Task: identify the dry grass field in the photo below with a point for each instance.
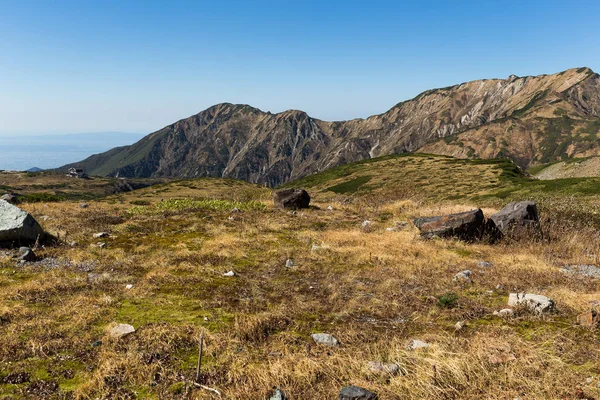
(375, 289)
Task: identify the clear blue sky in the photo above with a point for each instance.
(85, 66)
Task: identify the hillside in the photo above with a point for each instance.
(375, 287)
(529, 119)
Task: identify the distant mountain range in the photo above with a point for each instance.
(532, 120)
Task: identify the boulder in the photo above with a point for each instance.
(356, 393)
(291, 199)
(325, 339)
(468, 225)
(17, 225)
(522, 214)
(463, 276)
(10, 198)
(536, 303)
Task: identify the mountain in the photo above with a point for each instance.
(532, 120)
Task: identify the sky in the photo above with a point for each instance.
(136, 66)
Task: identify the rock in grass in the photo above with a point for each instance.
(535, 303)
(468, 225)
(289, 263)
(278, 394)
(380, 368)
(356, 393)
(416, 344)
(590, 271)
(589, 319)
(463, 276)
(229, 274)
(291, 199)
(505, 312)
(522, 214)
(101, 235)
(484, 264)
(121, 330)
(325, 339)
(26, 254)
(17, 225)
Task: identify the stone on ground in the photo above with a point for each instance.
(516, 215)
(590, 319)
(356, 393)
(278, 394)
(101, 235)
(590, 271)
(416, 344)
(17, 225)
(26, 254)
(291, 199)
(10, 198)
(121, 330)
(378, 367)
(463, 276)
(468, 225)
(325, 339)
(536, 303)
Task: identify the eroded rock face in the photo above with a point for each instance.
(522, 214)
(468, 225)
(17, 226)
(291, 199)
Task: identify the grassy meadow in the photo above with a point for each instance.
(375, 289)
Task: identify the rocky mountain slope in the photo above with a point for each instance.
(529, 119)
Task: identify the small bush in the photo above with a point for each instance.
(448, 300)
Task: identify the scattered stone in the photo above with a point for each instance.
(16, 225)
(380, 368)
(26, 254)
(97, 343)
(101, 235)
(505, 312)
(10, 198)
(325, 339)
(330, 208)
(236, 210)
(590, 319)
(46, 218)
(391, 229)
(291, 199)
(229, 273)
(463, 276)
(278, 394)
(416, 344)
(315, 248)
(101, 245)
(289, 263)
(484, 264)
(469, 225)
(460, 325)
(84, 205)
(121, 330)
(366, 223)
(231, 218)
(73, 244)
(516, 215)
(590, 271)
(536, 303)
(129, 286)
(356, 393)
(499, 287)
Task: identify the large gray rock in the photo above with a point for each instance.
(516, 215)
(278, 394)
(468, 225)
(536, 303)
(17, 226)
(291, 199)
(356, 393)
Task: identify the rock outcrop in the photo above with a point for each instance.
(17, 226)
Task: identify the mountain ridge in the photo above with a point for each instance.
(244, 142)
